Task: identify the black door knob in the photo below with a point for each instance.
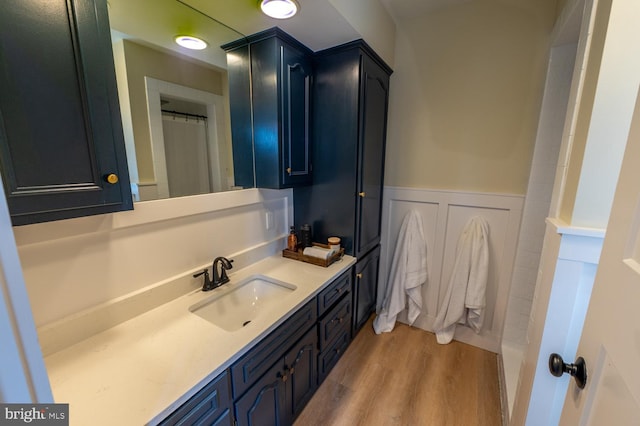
(577, 370)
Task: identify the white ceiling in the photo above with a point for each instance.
(318, 24)
(403, 9)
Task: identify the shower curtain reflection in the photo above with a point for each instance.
(186, 154)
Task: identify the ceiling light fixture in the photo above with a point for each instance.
(191, 42)
(279, 9)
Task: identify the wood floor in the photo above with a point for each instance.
(406, 378)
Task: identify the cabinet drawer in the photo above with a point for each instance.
(329, 357)
(337, 320)
(334, 292)
(261, 357)
(208, 404)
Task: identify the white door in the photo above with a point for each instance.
(610, 341)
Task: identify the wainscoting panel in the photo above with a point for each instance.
(444, 215)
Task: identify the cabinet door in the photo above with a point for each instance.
(365, 288)
(296, 92)
(281, 72)
(210, 404)
(300, 362)
(61, 143)
(373, 129)
(264, 404)
(254, 363)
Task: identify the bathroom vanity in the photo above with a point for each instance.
(170, 365)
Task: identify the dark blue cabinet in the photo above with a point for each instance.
(281, 393)
(350, 99)
(270, 76)
(62, 149)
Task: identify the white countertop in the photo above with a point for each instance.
(143, 369)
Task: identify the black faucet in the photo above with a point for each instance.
(222, 278)
(218, 279)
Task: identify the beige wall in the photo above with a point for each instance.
(465, 95)
(373, 22)
(142, 61)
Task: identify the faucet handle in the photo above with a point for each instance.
(208, 285)
(205, 272)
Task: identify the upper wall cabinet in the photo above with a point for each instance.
(270, 76)
(62, 151)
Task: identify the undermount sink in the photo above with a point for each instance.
(242, 302)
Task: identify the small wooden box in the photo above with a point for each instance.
(297, 255)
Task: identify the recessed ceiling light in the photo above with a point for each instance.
(279, 9)
(191, 42)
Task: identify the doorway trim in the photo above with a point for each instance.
(216, 131)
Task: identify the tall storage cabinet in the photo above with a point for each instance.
(62, 148)
(350, 98)
(270, 76)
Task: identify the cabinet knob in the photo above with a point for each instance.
(362, 194)
(282, 377)
(111, 178)
(359, 275)
(289, 170)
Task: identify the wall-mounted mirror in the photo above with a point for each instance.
(174, 101)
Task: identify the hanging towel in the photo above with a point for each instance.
(408, 274)
(464, 301)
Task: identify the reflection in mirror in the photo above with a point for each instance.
(174, 101)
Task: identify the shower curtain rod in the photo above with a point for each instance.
(185, 114)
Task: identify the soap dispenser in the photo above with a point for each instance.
(305, 236)
(292, 240)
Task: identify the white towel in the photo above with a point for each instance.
(408, 274)
(319, 252)
(464, 301)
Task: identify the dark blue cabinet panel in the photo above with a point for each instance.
(61, 144)
(328, 358)
(209, 406)
(365, 287)
(338, 319)
(270, 75)
(264, 403)
(278, 396)
(296, 71)
(334, 292)
(239, 75)
(300, 362)
(373, 131)
(268, 351)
